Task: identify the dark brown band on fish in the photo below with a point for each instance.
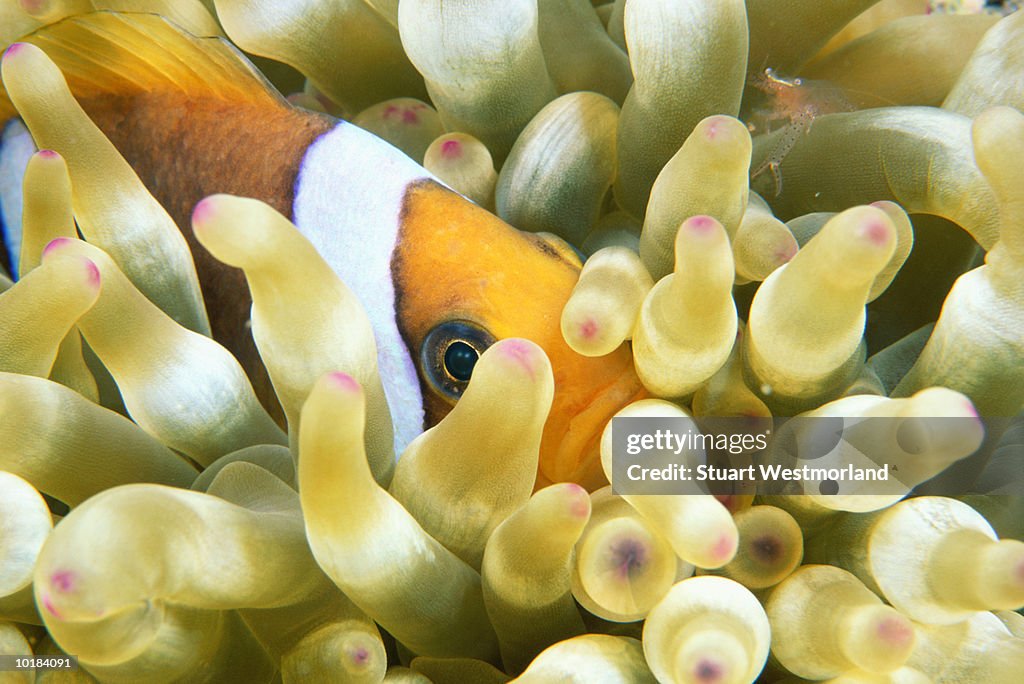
(213, 146)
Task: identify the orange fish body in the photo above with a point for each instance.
(431, 268)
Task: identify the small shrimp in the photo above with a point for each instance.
(797, 103)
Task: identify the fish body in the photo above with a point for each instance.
(430, 267)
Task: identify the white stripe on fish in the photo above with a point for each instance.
(348, 207)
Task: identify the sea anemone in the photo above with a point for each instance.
(801, 217)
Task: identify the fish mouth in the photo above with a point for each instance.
(570, 443)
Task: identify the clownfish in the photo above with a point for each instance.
(440, 278)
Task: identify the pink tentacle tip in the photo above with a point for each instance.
(700, 225)
(360, 656)
(56, 244)
(970, 409)
(410, 117)
(92, 274)
(895, 631)
(725, 547)
(63, 581)
(13, 49)
(343, 381)
(579, 506)
(203, 211)
(521, 352)
(589, 328)
(451, 149)
(48, 154)
(714, 126)
(875, 232)
(786, 254)
(629, 555)
(708, 672)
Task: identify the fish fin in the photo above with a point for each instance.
(113, 54)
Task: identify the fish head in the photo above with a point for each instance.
(464, 279)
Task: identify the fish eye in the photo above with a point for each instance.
(449, 354)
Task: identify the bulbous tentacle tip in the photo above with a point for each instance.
(89, 270)
(577, 499)
(875, 232)
(48, 154)
(895, 630)
(787, 251)
(63, 581)
(724, 549)
(451, 149)
(700, 225)
(57, 245)
(709, 671)
(723, 129)
(13, 50)
(92, 273)
(342, 382)
(209, 210)
(203, 211)
(521, 353)
(589, 328)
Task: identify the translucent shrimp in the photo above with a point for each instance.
(793, 103)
